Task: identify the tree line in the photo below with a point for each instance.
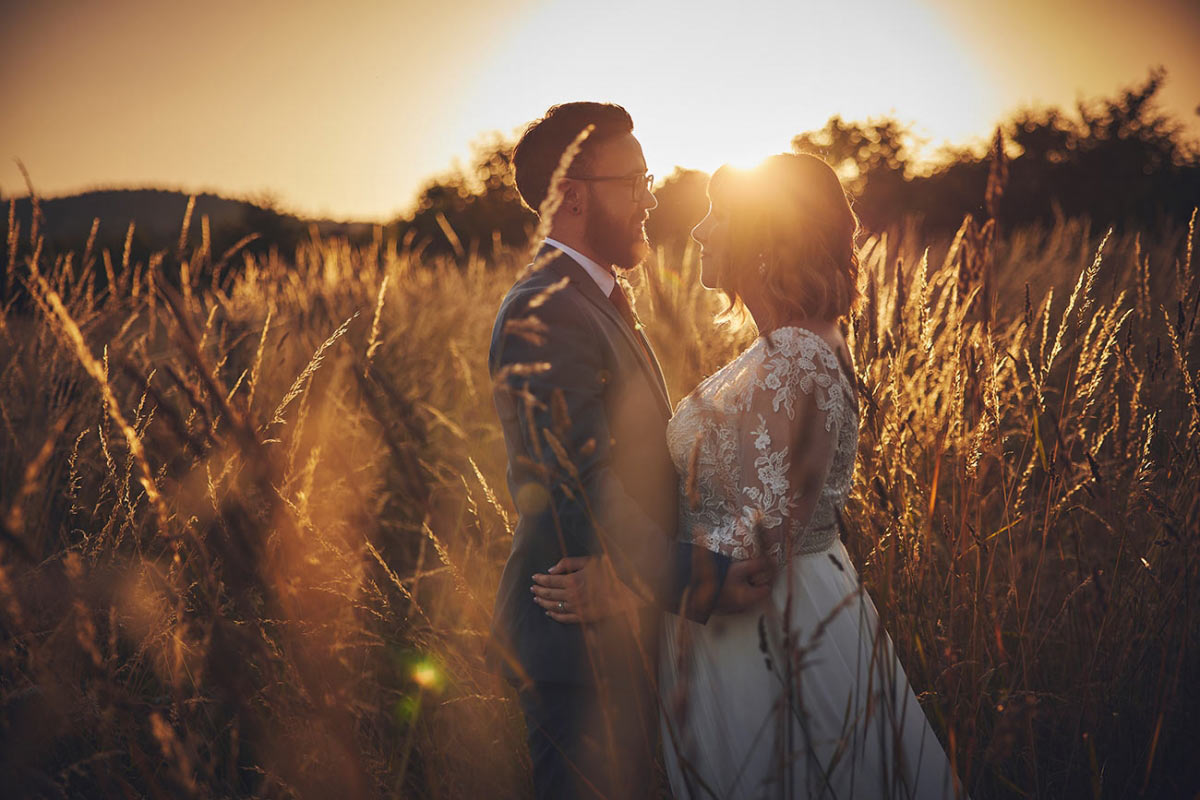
(1120, 161)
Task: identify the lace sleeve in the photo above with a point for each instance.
(792, 416)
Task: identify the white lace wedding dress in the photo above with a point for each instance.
(802, 697)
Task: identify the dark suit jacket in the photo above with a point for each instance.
(584, 413)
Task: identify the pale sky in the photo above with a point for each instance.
(344, 109)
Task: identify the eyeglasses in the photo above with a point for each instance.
(639, 182)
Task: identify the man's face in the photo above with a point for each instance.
(617, 209)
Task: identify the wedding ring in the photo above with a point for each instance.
(561, 606)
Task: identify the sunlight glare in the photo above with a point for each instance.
(709, 85)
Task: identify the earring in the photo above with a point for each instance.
(575, 209)
(762, 267)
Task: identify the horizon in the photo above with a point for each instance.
(749, 79)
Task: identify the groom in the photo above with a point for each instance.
(584, 409)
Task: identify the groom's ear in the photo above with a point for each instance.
(572, 201)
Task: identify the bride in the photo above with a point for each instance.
(803, 696)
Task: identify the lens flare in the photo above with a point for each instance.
(426, 675)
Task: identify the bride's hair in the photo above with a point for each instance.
(792, 231)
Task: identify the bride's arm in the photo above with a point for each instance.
(787, 442)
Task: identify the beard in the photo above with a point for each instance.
(618, 241)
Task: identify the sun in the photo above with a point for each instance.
(725, 151)
(709, 85)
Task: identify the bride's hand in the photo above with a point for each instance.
(746, 585)
(587, 588)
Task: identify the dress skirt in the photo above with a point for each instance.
(836, 719)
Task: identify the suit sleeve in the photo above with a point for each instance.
(547, 368)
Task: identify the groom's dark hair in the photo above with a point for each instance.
(543, 143)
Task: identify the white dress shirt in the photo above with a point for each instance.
(603, 277)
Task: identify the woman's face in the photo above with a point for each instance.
(712, 234)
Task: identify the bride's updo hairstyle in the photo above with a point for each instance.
(792, 232)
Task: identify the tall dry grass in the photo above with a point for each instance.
(253, 512)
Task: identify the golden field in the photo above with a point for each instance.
(253, 510)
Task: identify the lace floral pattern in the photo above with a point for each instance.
(766, 447)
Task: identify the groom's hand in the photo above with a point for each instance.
(586, 587)
(746, 585)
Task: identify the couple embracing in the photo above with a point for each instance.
(677, 587)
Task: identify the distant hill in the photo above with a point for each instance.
(157, 215)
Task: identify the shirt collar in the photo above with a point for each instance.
(603, 277)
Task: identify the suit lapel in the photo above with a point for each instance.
(662, 381)
(565, 266)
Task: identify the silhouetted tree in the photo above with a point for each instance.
(872, 158)
(1122, 160)
(1119, 161)
(860, 151)
(682, 202)
(477, 208)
